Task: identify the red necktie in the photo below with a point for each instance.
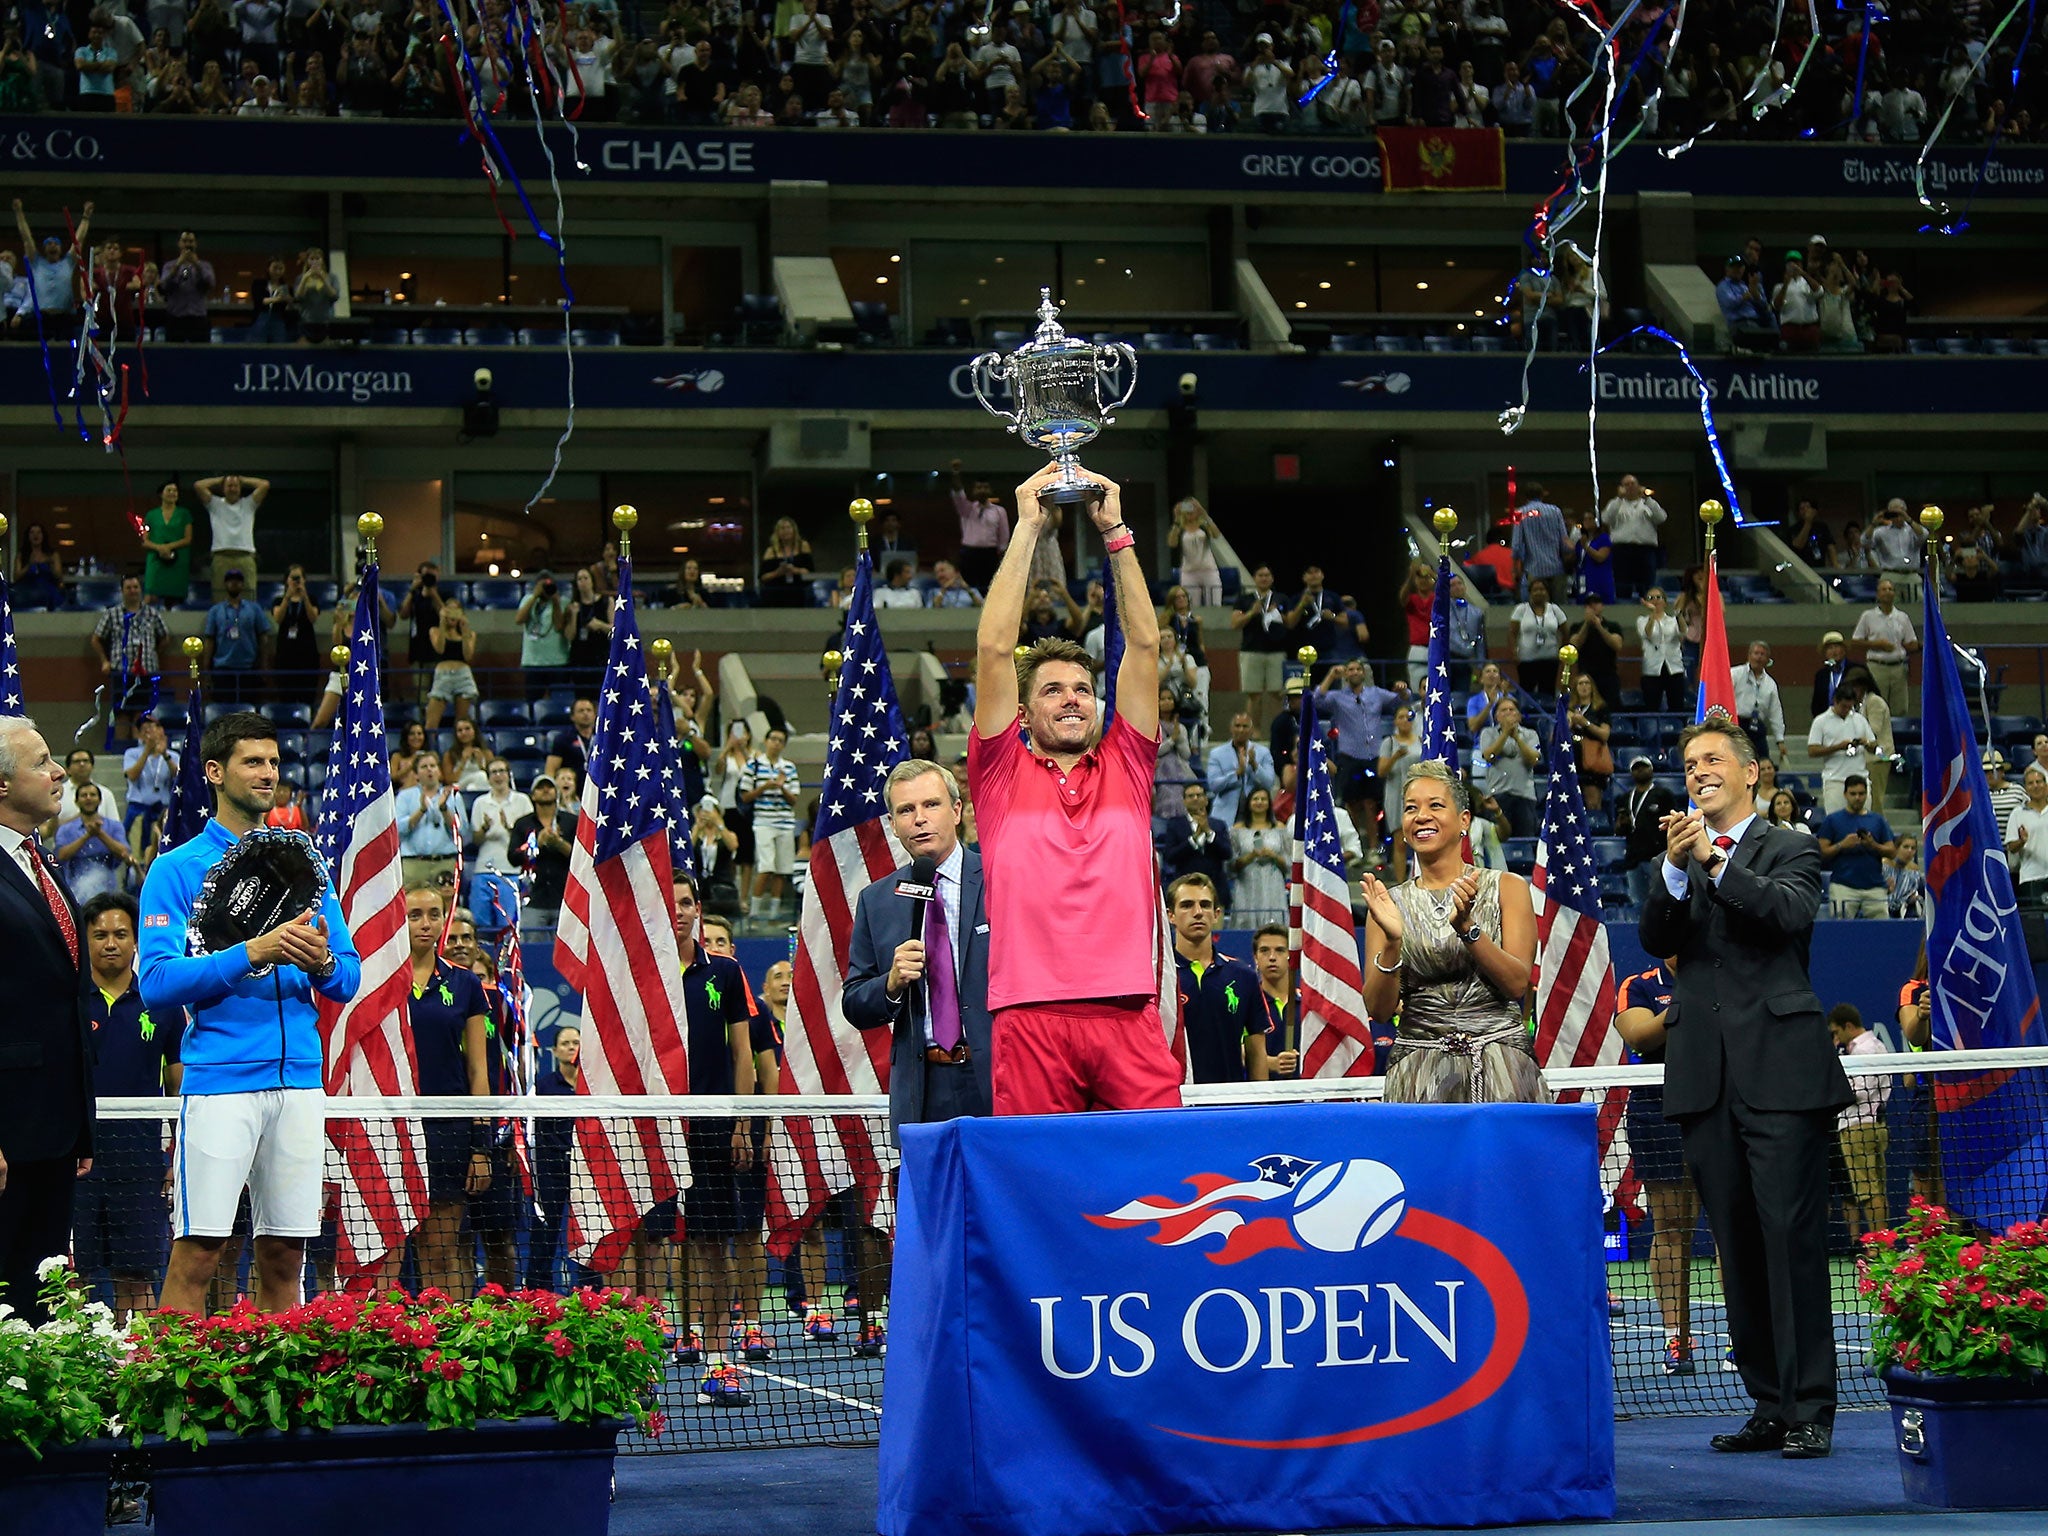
(1724, 842)
(58, 909)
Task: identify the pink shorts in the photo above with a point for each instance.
(1068, 1057)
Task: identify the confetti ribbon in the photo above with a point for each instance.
(1947, 222)
(1699, 385)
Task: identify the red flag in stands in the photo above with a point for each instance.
(1443, 160)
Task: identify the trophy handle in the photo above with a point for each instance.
(1106, 359)
(991, 369)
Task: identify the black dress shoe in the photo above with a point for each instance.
(1807, 1442)
(1759, 1434)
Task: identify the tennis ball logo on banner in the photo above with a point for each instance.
(1305, 1219)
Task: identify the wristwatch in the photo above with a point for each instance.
(1473, 934)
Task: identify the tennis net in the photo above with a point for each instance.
(804, 1334)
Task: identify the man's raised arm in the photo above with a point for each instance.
(1002, 616)
(1137, 677)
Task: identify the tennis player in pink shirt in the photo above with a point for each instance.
(1064, 811)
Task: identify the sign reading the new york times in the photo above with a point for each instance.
(289, 383)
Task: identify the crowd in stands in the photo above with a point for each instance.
(1981, 561)
(493, 781)
(1318, 67)
(1812, 299)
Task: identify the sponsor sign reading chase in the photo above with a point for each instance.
(1282, 1318)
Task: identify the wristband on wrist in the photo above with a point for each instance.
(1122, 539)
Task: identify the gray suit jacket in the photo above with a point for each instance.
(881, 921)
(1746, 1008)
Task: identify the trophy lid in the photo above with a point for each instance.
(1050, 336)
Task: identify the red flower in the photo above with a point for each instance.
(493, 1290)
(558, 1341)
(1911, 1265)
(636, 1347)
(1975, 1285)
(592, 1301)
(451, 1370)
(365, 1379)
(657, 1421)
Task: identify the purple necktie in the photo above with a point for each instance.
(944, 991)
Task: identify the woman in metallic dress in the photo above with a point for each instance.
(1450, 952)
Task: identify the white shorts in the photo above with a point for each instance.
(271, 1141)
(775, 850)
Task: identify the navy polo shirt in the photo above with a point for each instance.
(765, 1034)
(1219, 1008)
(497, 1049)
(132, 1045)
(715, 997)
(441, 1012)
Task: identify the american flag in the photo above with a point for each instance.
(192, 798)
(1439, 734)
(367, 1041)
(1574, 978)
(616, 947)
(10, 656)
(1164, 964)
(672, 812)
(1336, 1040)
(811, 1159)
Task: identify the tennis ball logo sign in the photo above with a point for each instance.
(1342, 1207)
(1314, 1304)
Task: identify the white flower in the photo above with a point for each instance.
(52, 1265)
(97, 1311)
(15, 1325)
(6, 1311)
(116, 1427)
(17, 1383)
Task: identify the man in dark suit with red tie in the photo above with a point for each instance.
(898, 978)
(46, 1099)
(1752, 1078)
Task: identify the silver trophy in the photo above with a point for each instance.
(1060, 386)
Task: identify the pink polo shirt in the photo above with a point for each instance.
(1067, 868)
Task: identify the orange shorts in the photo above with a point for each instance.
(1067, 1057)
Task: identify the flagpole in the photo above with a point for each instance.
(1931, 519)
(194, 648)
(1297, 687)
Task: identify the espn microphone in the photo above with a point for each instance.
(920, 881)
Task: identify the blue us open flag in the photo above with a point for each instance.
(1994, 1143)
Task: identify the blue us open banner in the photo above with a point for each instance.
(1287, 1318)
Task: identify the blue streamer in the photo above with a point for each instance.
(1945, 221)
(551, 241)
(1699, 385)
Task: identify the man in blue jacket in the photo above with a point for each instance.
(253, 1108)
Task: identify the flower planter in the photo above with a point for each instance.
(1971, 1442)
(64, 1494)
(517, 1475)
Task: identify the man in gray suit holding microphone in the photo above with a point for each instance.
(918, 962)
